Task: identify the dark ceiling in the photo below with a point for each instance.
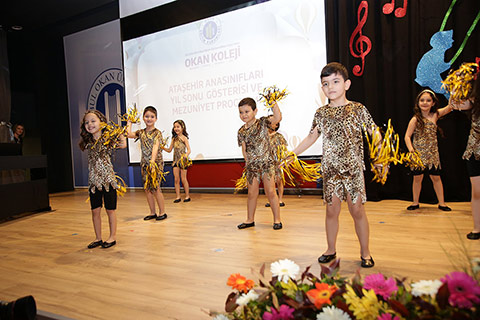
(36, 14)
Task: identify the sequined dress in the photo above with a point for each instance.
(278, 141)
(260, 155)
(147, 140)
(179, 149)
(425, 143)
(342, 161)
(100, 167)
(473, 144)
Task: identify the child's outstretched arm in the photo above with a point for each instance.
(408, 135)
(130, 134)
(122, 142)
(169, 149)
(445, 110)
(307, 142)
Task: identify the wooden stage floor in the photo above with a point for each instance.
(177, 268)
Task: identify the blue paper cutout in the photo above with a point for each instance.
(432, 64)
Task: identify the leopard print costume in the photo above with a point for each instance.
(342, 162)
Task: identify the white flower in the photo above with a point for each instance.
(284, 269)
(246, 298)
(332, 313)
(426, 287)
(476, 265)
(221, 317)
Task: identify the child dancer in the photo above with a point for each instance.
(181, 151)
(259, 158)
(101, 177)
(341, 122)
(472, 152)
(423, 126)
(278, 141)
(150, 141)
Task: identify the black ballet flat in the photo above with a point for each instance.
(282, 204)
(473, 235)
(244, 225)
(106, 245)
(444, 208)
(187, 200)
(150, 217)
(367, 263)
(326, 258)
(162, 217)
(277, 226)
(267, 205)
(177, 200)
(413, 207)
(95, 244)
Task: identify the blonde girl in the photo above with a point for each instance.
(102, 183)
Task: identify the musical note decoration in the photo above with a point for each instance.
(363, 45)
(432, 64)
(399, 12)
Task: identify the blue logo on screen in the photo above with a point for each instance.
(210, 30)
(107, 94)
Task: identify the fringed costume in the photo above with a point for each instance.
(425, 143)
(180, 158)
(473, 144)
(260, 159)
(342, 161)
(151, 174)
(100, 168)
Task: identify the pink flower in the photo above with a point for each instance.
(283, 313)
(464, 291)
(380, 285)
(388, 316)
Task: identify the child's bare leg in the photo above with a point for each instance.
(160, 201)
(280, 190)
(416, 188)
(269, 187)
(112, 223)
(150, 201)
(97, 223)
(475, 203)
(438, 187)
(176, 174)
(186, 186)
(252, 200)
(331, 224)
(357, 211)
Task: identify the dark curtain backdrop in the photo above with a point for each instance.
(4, 80)
(388, 88)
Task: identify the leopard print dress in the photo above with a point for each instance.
(260, 155)
(342, 161)
(425, 143)
(278, 141)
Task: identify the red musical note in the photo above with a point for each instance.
(359, 43)
(401, 12)
(388, 7)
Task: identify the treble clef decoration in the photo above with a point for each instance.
(362, 40)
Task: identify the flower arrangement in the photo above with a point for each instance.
(330, 296)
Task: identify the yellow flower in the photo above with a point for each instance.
(366, 308)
